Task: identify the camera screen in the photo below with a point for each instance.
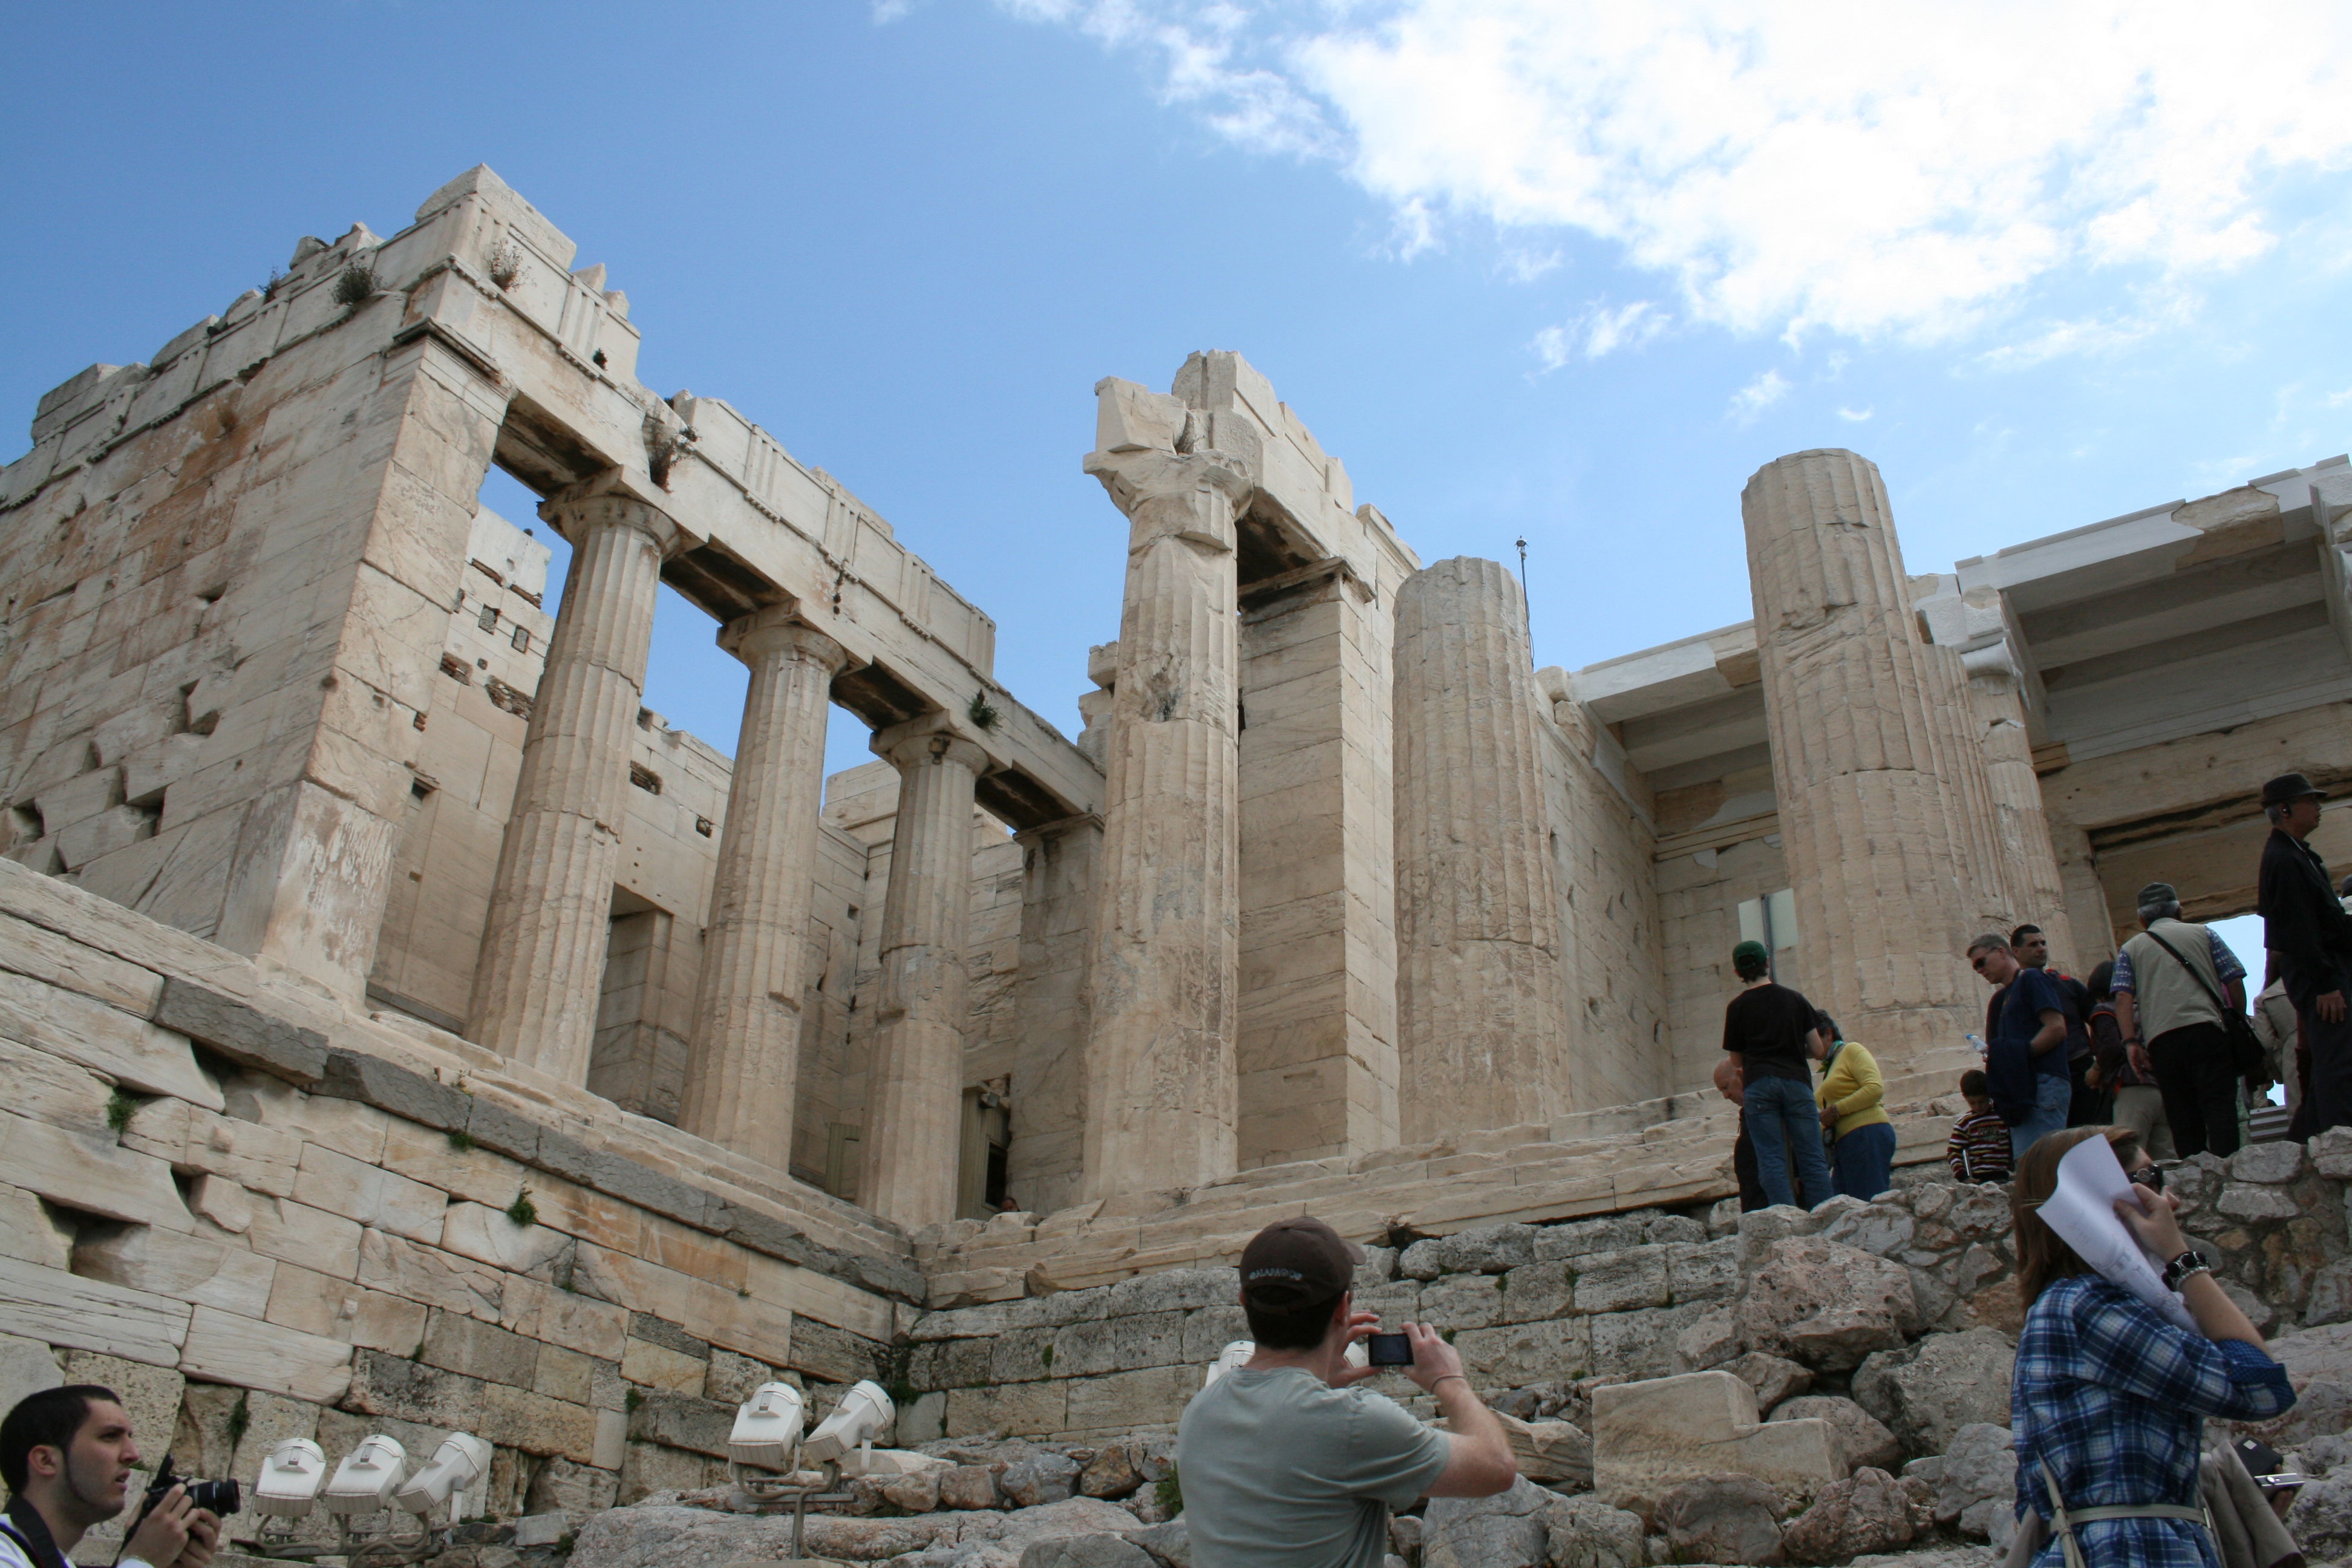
(1389, 1350)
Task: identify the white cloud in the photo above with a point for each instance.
(1598, 331)
(1750, 401)
(1856, 415)
(1860, 168)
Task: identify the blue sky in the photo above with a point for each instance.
(1530, 268)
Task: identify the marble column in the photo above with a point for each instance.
(915, 1098)
(1984, 866)
(1160, 1089)
(741, 1078)
(1866, 821)
(535, 989)
(2036, 885)
(1482, 985)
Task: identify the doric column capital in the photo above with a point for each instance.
(780, 629)
(1192, 496)
(1047, 831)
(614, 499)
(927, 740)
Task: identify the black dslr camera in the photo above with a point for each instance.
(218, 1497)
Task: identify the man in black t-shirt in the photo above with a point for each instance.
(1768, 1029)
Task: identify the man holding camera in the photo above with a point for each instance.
(1284, 1461)
(66, 1455)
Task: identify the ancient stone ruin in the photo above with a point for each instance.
(414, 1034)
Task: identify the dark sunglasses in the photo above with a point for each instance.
(2149, 1176)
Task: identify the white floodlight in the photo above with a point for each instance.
(861, 1416)
(363, 1482)
(455, 1464)
(1232, 1356)
(290, 1475)
(768, 1428)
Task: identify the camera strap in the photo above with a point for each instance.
(24, 1524)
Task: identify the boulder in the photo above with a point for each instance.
(1868, 1512)
(969, 1487)
(1927, 1394)
(1722, 1519)
(1017, 1532)
(1111, 1473)
(1825, 1304)
(1170, 1544)
(1505, 1531)
(1711, 1339)
(1859, 1438)
(1977, 1478)
(1549, 1452)
(1039, 1479)
(1085, 1552)
(704, 1538)
(2321, 1519)
(1652, 1436)
(1586, 1532)
(917, 1493)
(1774, 1378)
(1882, 1229)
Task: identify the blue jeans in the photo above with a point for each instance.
(1784, 1123)
(1864, 1159)
(2053, 1093)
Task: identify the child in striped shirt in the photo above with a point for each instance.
(1979, 1151)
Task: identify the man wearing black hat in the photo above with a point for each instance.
(2308, 928)
(1284, 1462)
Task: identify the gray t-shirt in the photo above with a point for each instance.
(1281, 1471)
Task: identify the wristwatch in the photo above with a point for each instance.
(2177, 1272)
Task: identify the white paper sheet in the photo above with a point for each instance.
(2082, 1212)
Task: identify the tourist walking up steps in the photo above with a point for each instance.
(2135, 1100)
(2025, 1058)
(2110, 1399)
(1768, 1030)
(2088, 1107)
(2171, 983)
(2305, 924)
(1862, 1157)
(2276, 1028)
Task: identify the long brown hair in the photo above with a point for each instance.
(2041, 1257)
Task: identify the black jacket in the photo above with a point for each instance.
(2302, 920)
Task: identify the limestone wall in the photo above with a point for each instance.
(1541, 1313)
(219, 1187)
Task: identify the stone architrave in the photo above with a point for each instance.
(1482, 987)
(913, 1130)
(1998, 688)
(742, 1077)
(535, 994)
(1161, 1100)
(1866, 820)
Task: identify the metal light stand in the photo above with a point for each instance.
(775, 1489)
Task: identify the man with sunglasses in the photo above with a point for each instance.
(2025, 1060)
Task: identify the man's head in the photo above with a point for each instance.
(2158, 902)
(1975, 1090)
(70, 1450)
(2030, 948)
(1989, 956)
(1295, 1276)
(2292, 803)
(1750, 962)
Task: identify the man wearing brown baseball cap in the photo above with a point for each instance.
(1286, 1462)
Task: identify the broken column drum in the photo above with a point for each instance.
(1867, 822)
(743, 1076)
(914, 1123)
(1162, 1101)
(535, 994)
(1482, 989)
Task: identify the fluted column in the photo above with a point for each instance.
(915, 1102)
(1161, 1087)
(1989, 895)
(1482, 987)
(1866, 821)
(542, 960)
(2035, 882)
(741, 1078)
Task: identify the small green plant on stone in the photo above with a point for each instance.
(460, 1140)
(1170, 1493)
(980, 711)
(1045, 1357)
(357, 285)
(239, 1421)
(634, 1400)
(522, 1211)
(120, 1107)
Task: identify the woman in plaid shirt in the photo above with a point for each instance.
(2112, 1398)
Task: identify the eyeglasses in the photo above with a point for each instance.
(2149, 1176)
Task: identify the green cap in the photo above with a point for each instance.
(1751, 954)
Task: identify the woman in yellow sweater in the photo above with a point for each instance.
(1862, 1162)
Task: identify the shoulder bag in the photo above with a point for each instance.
(2247, 1057)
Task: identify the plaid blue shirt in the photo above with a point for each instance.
(2114, 1399)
